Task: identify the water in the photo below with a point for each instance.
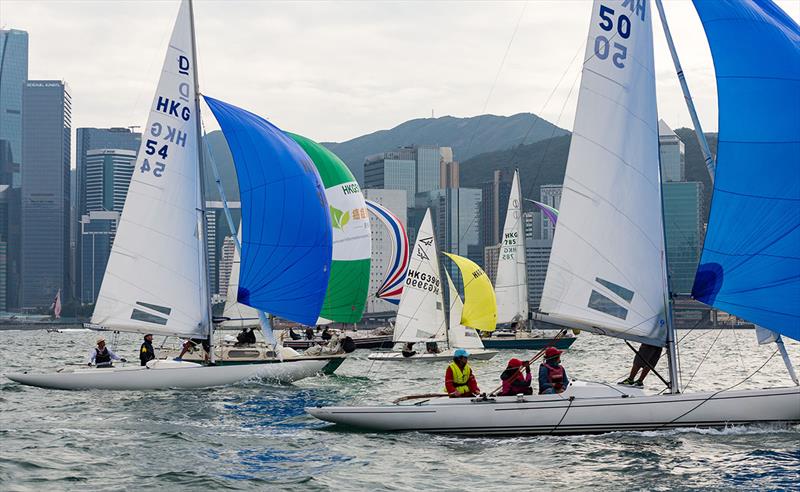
(256, 435)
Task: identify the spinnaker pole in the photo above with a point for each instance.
(698, 130)
(203, 237)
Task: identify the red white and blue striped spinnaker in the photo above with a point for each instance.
(392, 286)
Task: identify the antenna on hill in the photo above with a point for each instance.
(432, 113)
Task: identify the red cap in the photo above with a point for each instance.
(551, 352)
(514, 363)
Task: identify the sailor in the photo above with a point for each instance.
(552, 376)
(101, 356)
(326, 334)
(432, 348)
(459, 381)
(191, 344)
(146, 352)
(309, 333)
(646, 358)
(408, 350)
(246, 337)
(514, 383)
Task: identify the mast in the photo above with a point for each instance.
(203, 237)
(698, 130)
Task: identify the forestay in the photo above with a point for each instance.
(511, 285)
(420, 316)
(607, 265)
(480, 305)
(392, 287)
(286, 231)
(750, 264)
(352, 244)
(458, 335)
(153, 281)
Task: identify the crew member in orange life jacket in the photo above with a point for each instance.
(552, 376)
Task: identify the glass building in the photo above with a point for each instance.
(683, 223)
(396, 170)
(549, 195)
(494, 204)
(46, 143)
(672, 154)
(537, 257)
(13, 74)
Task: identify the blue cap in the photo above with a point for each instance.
(460, 353)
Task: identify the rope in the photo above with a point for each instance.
(719, 332)
(720, 391)
(571, 399)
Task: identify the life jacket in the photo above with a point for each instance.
(102, 359)
(555, 376)
(514, 382)
(460, 378)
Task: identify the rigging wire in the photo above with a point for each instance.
(719, 332)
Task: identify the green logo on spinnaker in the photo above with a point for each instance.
(338, 218)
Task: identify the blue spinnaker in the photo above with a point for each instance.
(750, 265)
(286, 228)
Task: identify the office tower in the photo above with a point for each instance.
(683, 224)
(449, 174)
(494, 205)
(13, 74)
(414, 168)
(106, 176)
(456, 221)
(672, 154)
(395, 201)
(218, 230)
(549, 195)
(46, 127)
(537, 256)
(225, 265)
(491, 255)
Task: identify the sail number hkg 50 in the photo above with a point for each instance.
(618, 27)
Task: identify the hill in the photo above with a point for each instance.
(467, 136)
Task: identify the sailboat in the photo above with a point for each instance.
(608, 271)
(511, 285)
(156, 280)
(392, 287)
(421, 313)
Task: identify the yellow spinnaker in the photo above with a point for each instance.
(480, 305)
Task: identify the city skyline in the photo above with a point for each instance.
(287, 60)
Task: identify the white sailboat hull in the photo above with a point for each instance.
(447, 355)
(595, 408)
(170, 375)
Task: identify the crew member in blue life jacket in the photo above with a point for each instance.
(146, 351)
(459, 380)
(101, 356)
(552, 376)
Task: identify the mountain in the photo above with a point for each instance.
(545, 162)
(468, 137)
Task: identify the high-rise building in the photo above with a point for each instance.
(395, 201)
(13, 74)
(5, 193)
(449, 174)
(46, 129)
(491, 256)
(89, 140)
(226, 265)
(537, 257)
(106, 176)
(550, 195)
(218, 232)
(414, 168)
(494, 204)
(456, 221)
(683, 224)
(671, 153)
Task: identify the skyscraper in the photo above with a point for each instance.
(106, 176)
(46, 128)
(494, 204)
(396, 170)
(671, 153)
(550, 195)
(13, 74)
(683, 225)
(537, 256)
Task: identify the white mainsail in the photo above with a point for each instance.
(420, 316)
(511, 285)
(458, 335)
(241, 315)
(154, 278)
(607, 266)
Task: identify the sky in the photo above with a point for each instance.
(336, 70)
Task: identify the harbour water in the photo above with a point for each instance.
(257, 436)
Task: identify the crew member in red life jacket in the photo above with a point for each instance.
(552, 376)
(459, 380)
(514, 383)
